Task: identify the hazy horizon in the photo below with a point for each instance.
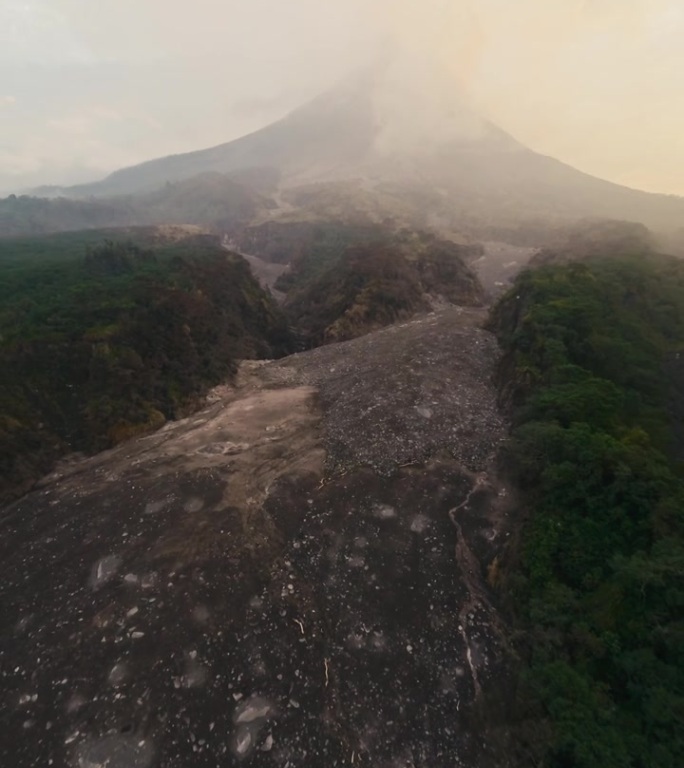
(85, 90)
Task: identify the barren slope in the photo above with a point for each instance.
(293, 576)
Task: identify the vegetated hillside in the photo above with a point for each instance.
(327, 243)
(674, 243)
(102, 340)
(375, 283)
(315, 242)
(211, 200)
(24, 215)
(595, 236)
(596, 580)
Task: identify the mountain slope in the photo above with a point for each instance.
(335, 128)
(412, 147)
(212, 200)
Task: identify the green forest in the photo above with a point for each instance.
(593, 371)
(210, 200)
(105, 335)
(102, 339)
(336, 291)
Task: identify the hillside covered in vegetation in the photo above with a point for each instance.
(595, 582)
(211, 200)
(337, 291)
(104, 336)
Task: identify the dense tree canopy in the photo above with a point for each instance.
(211, 200)
(597, 579)
(336, 291)
(101, 340)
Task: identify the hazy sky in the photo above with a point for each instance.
(87, 86)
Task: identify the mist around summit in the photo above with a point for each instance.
(399, 140)
(77, 103)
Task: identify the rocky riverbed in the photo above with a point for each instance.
(294, 576)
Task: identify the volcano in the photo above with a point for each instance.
(385, 141)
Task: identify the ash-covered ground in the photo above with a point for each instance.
(405, 393)
(295, 576)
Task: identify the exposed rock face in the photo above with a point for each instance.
(295, 574)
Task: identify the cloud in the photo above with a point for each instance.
(594, 83)
(37, 31)
(7, 101)
(19, 163)
(85, 122)
(597, 83)
(70, 147)
(450, 32)
(260, 107)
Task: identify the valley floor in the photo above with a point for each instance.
(294, 576)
